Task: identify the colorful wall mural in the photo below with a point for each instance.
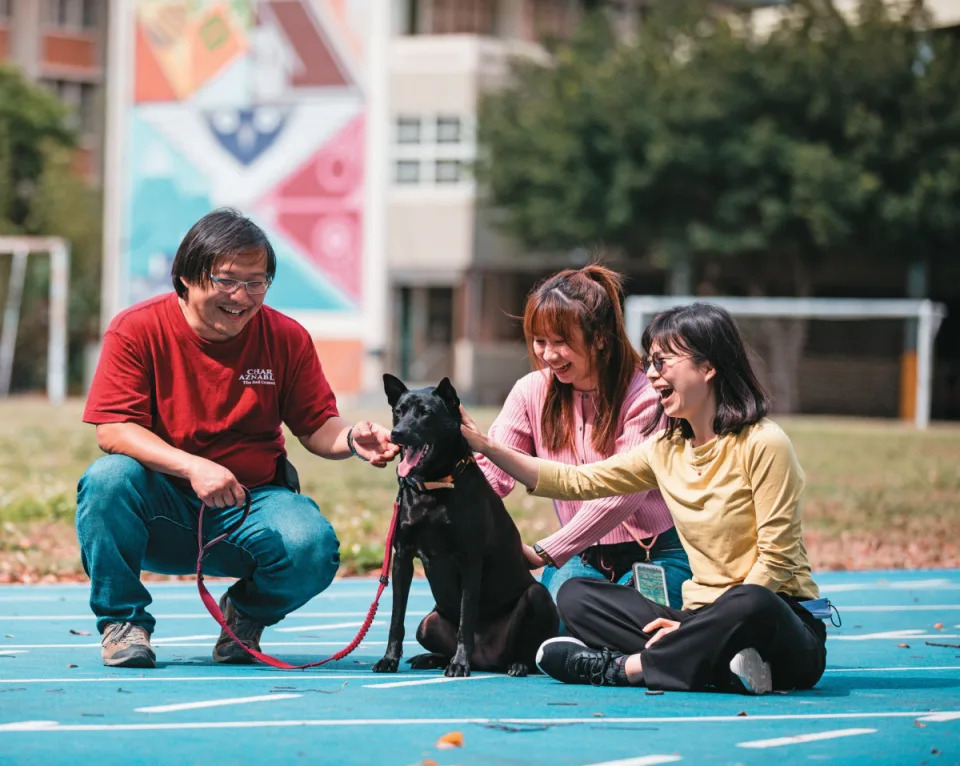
(259, 105)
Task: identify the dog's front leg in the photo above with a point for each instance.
(402, 577)
(469, 604)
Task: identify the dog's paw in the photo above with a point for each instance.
(430, 661)
(518, 669)
(385, 665)
(457, 670)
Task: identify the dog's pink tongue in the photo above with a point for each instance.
(410, 459)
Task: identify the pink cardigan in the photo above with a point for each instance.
(583, 523)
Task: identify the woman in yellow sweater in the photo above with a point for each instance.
(732, 482)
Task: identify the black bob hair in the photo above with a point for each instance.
(708, 334)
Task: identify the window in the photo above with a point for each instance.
(448, 130)
(447, 171)
(91, 13)
(6, 9)
(408, 130)
(407, 172)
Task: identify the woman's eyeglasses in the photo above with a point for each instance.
(659, 362)
(227, 285)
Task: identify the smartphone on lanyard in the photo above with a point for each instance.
(650, 580)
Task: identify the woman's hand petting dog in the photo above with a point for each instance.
(476, 439)
(372, 442)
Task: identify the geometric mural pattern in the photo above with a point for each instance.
(257, 105)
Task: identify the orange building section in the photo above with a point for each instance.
(4, 43)
(342, 362)
(73, 51)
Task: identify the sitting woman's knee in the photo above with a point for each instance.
(571, 597)
(753, 599)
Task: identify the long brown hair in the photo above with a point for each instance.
(589, 298)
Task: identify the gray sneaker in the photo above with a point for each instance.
(755, 675)
(126, 645)
(245, 628)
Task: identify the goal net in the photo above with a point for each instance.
(829, 355)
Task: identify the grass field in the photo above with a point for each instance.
(879, 494)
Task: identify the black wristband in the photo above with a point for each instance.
(544, 556)
(353, 450)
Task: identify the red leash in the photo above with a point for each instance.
(214, 608)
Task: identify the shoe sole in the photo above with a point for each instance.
(567, 639)
(753, 672)
(133, 661)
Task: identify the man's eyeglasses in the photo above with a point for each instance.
(659, 362)
(227, 285)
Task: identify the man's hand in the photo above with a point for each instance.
(476, 439)
(372, 442)
(663, 626)
(215, 485)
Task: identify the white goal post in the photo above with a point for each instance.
(59, 252)
(640, 309)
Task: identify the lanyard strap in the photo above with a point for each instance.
(646, 546)
(214, 608)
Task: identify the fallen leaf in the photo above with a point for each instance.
(80, 632)
(903, 646)
(919, 725)
(934, 751)
(121, 690)
(71, 665)
(8, 635)
(450, 740)
(938, 626)
(598, 715)
(428, 762)
(742, 714)
(653, 691)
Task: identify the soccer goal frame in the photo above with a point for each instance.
(59, 251)
(639, 309)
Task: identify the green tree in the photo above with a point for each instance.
(702, 142)
(41, 194)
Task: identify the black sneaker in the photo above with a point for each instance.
(245, 628)
(573, 662)
(753, 673)
(125, 645)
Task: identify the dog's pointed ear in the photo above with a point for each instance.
(448, 393)
(394, 388)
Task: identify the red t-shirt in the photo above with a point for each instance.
(223, 401)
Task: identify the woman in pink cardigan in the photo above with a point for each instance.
(588, 399)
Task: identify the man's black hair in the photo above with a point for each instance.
(218, 235)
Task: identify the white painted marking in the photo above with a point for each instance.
(425, 681)
(329, 626)
(11, 652)
(939, 717)
(166, 640)
(187, 645)
(740, 720)
(800, 738)
(183, 616)
(643, 760)
(269, 678)
(892, 670)
(937, 583)
(903, 608)
(215, 703)
(895, 634)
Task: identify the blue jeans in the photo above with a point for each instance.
(667, 551)
(130, 517)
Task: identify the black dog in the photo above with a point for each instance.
(490, 613)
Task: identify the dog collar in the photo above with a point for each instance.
(444, 482)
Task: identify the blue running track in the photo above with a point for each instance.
(891, 693)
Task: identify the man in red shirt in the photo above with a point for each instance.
(188, 400)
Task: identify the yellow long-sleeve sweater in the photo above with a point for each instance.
(735, 502)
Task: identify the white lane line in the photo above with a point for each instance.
(893, 670)
(740, 720)
(938, 717)
(166, 640)
(424, 681)
(177, 616)
(329, 626)
(800, 738)
(269, 677)
(272, 677)
(903, 608)
(643, 760)
(11, 652)
(188, 645)
(215, 703)
(937, 583)
(895, 634)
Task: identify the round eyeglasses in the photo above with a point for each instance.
(227, 285)
(659, 362)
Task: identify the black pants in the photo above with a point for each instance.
(697, 655)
